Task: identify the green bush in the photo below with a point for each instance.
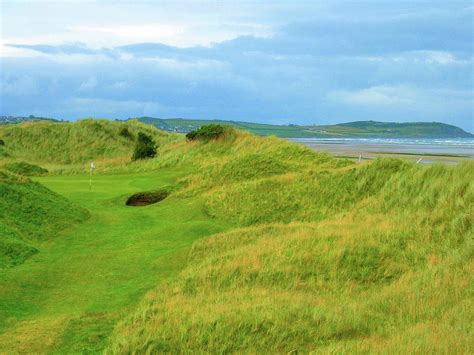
(124, 132)
(2, 142)
(145, 147)
(207, 132)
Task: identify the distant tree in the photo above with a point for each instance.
(124, 132)
(207, 132)
(145, 147)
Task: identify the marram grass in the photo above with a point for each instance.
(262, 246)
(386, 267)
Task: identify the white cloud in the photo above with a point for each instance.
(438, 57)
(375, 95)
(132, 33)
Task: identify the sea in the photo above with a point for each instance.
(459, 147)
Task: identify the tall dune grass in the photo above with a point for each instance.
(326, 255)
(335, 257)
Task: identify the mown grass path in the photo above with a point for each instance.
(69, 296)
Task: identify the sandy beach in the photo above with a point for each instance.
(366, 150)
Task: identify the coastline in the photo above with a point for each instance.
(368, 149)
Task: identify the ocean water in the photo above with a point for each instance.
(435, 146)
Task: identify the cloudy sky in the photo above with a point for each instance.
(264, 61)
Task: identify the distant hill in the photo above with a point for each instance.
(20, 119)
(351, 129)
(362, 129)
(392, 129)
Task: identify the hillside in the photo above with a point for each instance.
(262, 245)
(392, 129)
(69, 143)
(335, 257)
(352, 129)
(30, 215)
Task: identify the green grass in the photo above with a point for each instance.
(22, 168)
(262, 246)
(376, 258)
(30, 215)
(74, 143)
(90, 274)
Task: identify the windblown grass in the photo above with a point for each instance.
(72, 143)
(312, 253)
(369, 258)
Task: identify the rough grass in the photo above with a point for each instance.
(30, 214)
(71, 143)
(311, 253)
(25, 169)
(371, 257)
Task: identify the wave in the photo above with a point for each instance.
(450, 142)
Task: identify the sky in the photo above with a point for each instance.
(281, 62)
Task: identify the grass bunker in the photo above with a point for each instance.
(146, 198)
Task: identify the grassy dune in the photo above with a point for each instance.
(30, 216)
(262, 246)
(72, 143)
(372, 258)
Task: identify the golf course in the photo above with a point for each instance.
(253, 244)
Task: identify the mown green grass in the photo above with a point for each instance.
(262, 246)
(30, 215)
(86, 279)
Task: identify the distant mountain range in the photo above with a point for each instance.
(361, 129)
(352, 129)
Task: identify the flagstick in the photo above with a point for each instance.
(90, 177)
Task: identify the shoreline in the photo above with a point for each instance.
(368, 151)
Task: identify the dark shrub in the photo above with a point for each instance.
(191, 136)
(145, 147)
(207, 132)
(124, 132)
(2, 142)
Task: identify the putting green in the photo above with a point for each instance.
(70, 295)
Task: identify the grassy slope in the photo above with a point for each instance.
(68, 297)
(73, 143)
(377, 256)
(30, 216)
(368, 256)
(352, 129)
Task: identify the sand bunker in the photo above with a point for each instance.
(146, 198)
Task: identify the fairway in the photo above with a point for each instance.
(69, 297)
